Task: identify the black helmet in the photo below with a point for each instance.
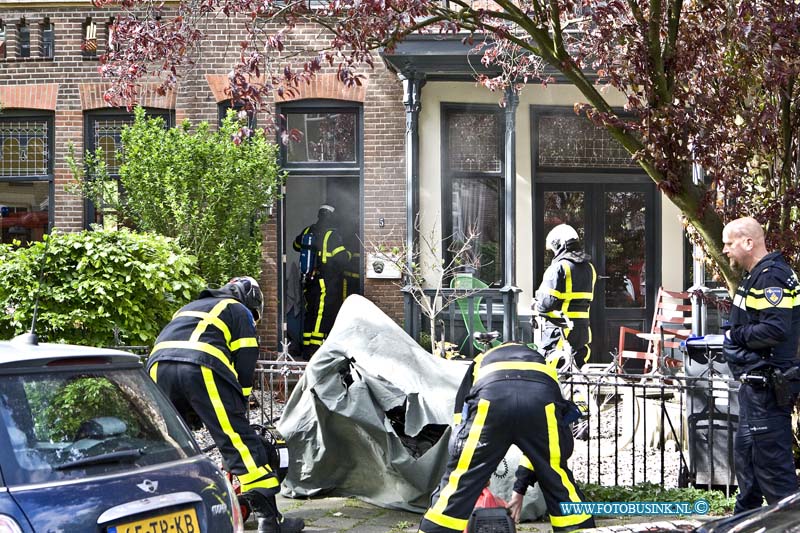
(246, 290)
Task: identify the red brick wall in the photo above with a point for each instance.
(69, 84)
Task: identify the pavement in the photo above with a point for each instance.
(336, 514)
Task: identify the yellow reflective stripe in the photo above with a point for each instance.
(554, 446)
(569, 295)
(436, 513)
(524, 462)
(325, 246)
(225, 424)
(567, 287)
(212, 318)
(200, 347)
(322, 294)
(154, 372)
(244, 342)
(337, 251)
(568, 520)
(255, 475)
(266, 483)
(761, 303)
(215, 320)
(456, 418)
(516, 365)
(246, 391)
(594, 280)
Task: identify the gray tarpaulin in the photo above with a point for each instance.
(371, 415)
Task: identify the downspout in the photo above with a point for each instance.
(412, 101)
(510, 289)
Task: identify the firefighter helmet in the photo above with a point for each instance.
(246, 290)
(561, 237)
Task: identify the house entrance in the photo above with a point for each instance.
(616, 222)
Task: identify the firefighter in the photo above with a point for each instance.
(323, 260)
(508, 396)
(204, 360)
(567, 287)
(760, 344)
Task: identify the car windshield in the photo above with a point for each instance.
(69, 424)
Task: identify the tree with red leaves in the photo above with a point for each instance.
(711, 82)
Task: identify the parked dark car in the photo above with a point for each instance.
(88, 443)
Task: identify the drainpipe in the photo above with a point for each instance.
(412, 101)
(699, 270)
(510, 289)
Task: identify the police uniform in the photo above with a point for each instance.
(322, 289)
(763, 336)
(508, 396)
(567, 287)
(204, 360)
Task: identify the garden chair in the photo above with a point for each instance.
(672, 323)
(472, 321)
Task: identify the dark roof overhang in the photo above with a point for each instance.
(445, 58)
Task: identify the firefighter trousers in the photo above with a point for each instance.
(323, 297)
(197, 390)
(506, 412)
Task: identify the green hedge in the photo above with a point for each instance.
(93, 282)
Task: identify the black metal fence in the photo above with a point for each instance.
(676, 431)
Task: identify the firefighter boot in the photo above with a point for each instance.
(269, 519)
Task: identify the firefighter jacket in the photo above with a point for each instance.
(765, 318)
(507, 361)
(214, 331)
(567, 286)
(332, 256)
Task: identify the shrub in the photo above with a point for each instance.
(95, 284)
(207, 189)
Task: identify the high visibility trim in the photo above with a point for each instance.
(325, 246)
(255, 475)
(554, 448)
(568, 520)
(266, 483)
(436, 513)
(524, 462)
(213, 318)
(484, 371)
(338, 250)
(154, 372)
(200, 347)
(570, 295)
(244, 342)
(760, 303)
(322, 295)
(456, 418)
(253, 470)
(246, 391)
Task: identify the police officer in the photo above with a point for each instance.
(567, 287)
(204, 360)
(761, 340)
(323, 286)
(508, 396)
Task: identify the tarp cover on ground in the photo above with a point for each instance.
(371, 416)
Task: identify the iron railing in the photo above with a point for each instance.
(674, 431)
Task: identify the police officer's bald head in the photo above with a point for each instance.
(743, 241)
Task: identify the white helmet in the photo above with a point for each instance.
(561, 236)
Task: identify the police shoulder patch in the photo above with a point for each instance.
(774, 295)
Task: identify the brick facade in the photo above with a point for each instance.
(69, 85)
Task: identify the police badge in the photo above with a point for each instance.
(774, 295)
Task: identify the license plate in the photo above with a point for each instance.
(180, 522)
